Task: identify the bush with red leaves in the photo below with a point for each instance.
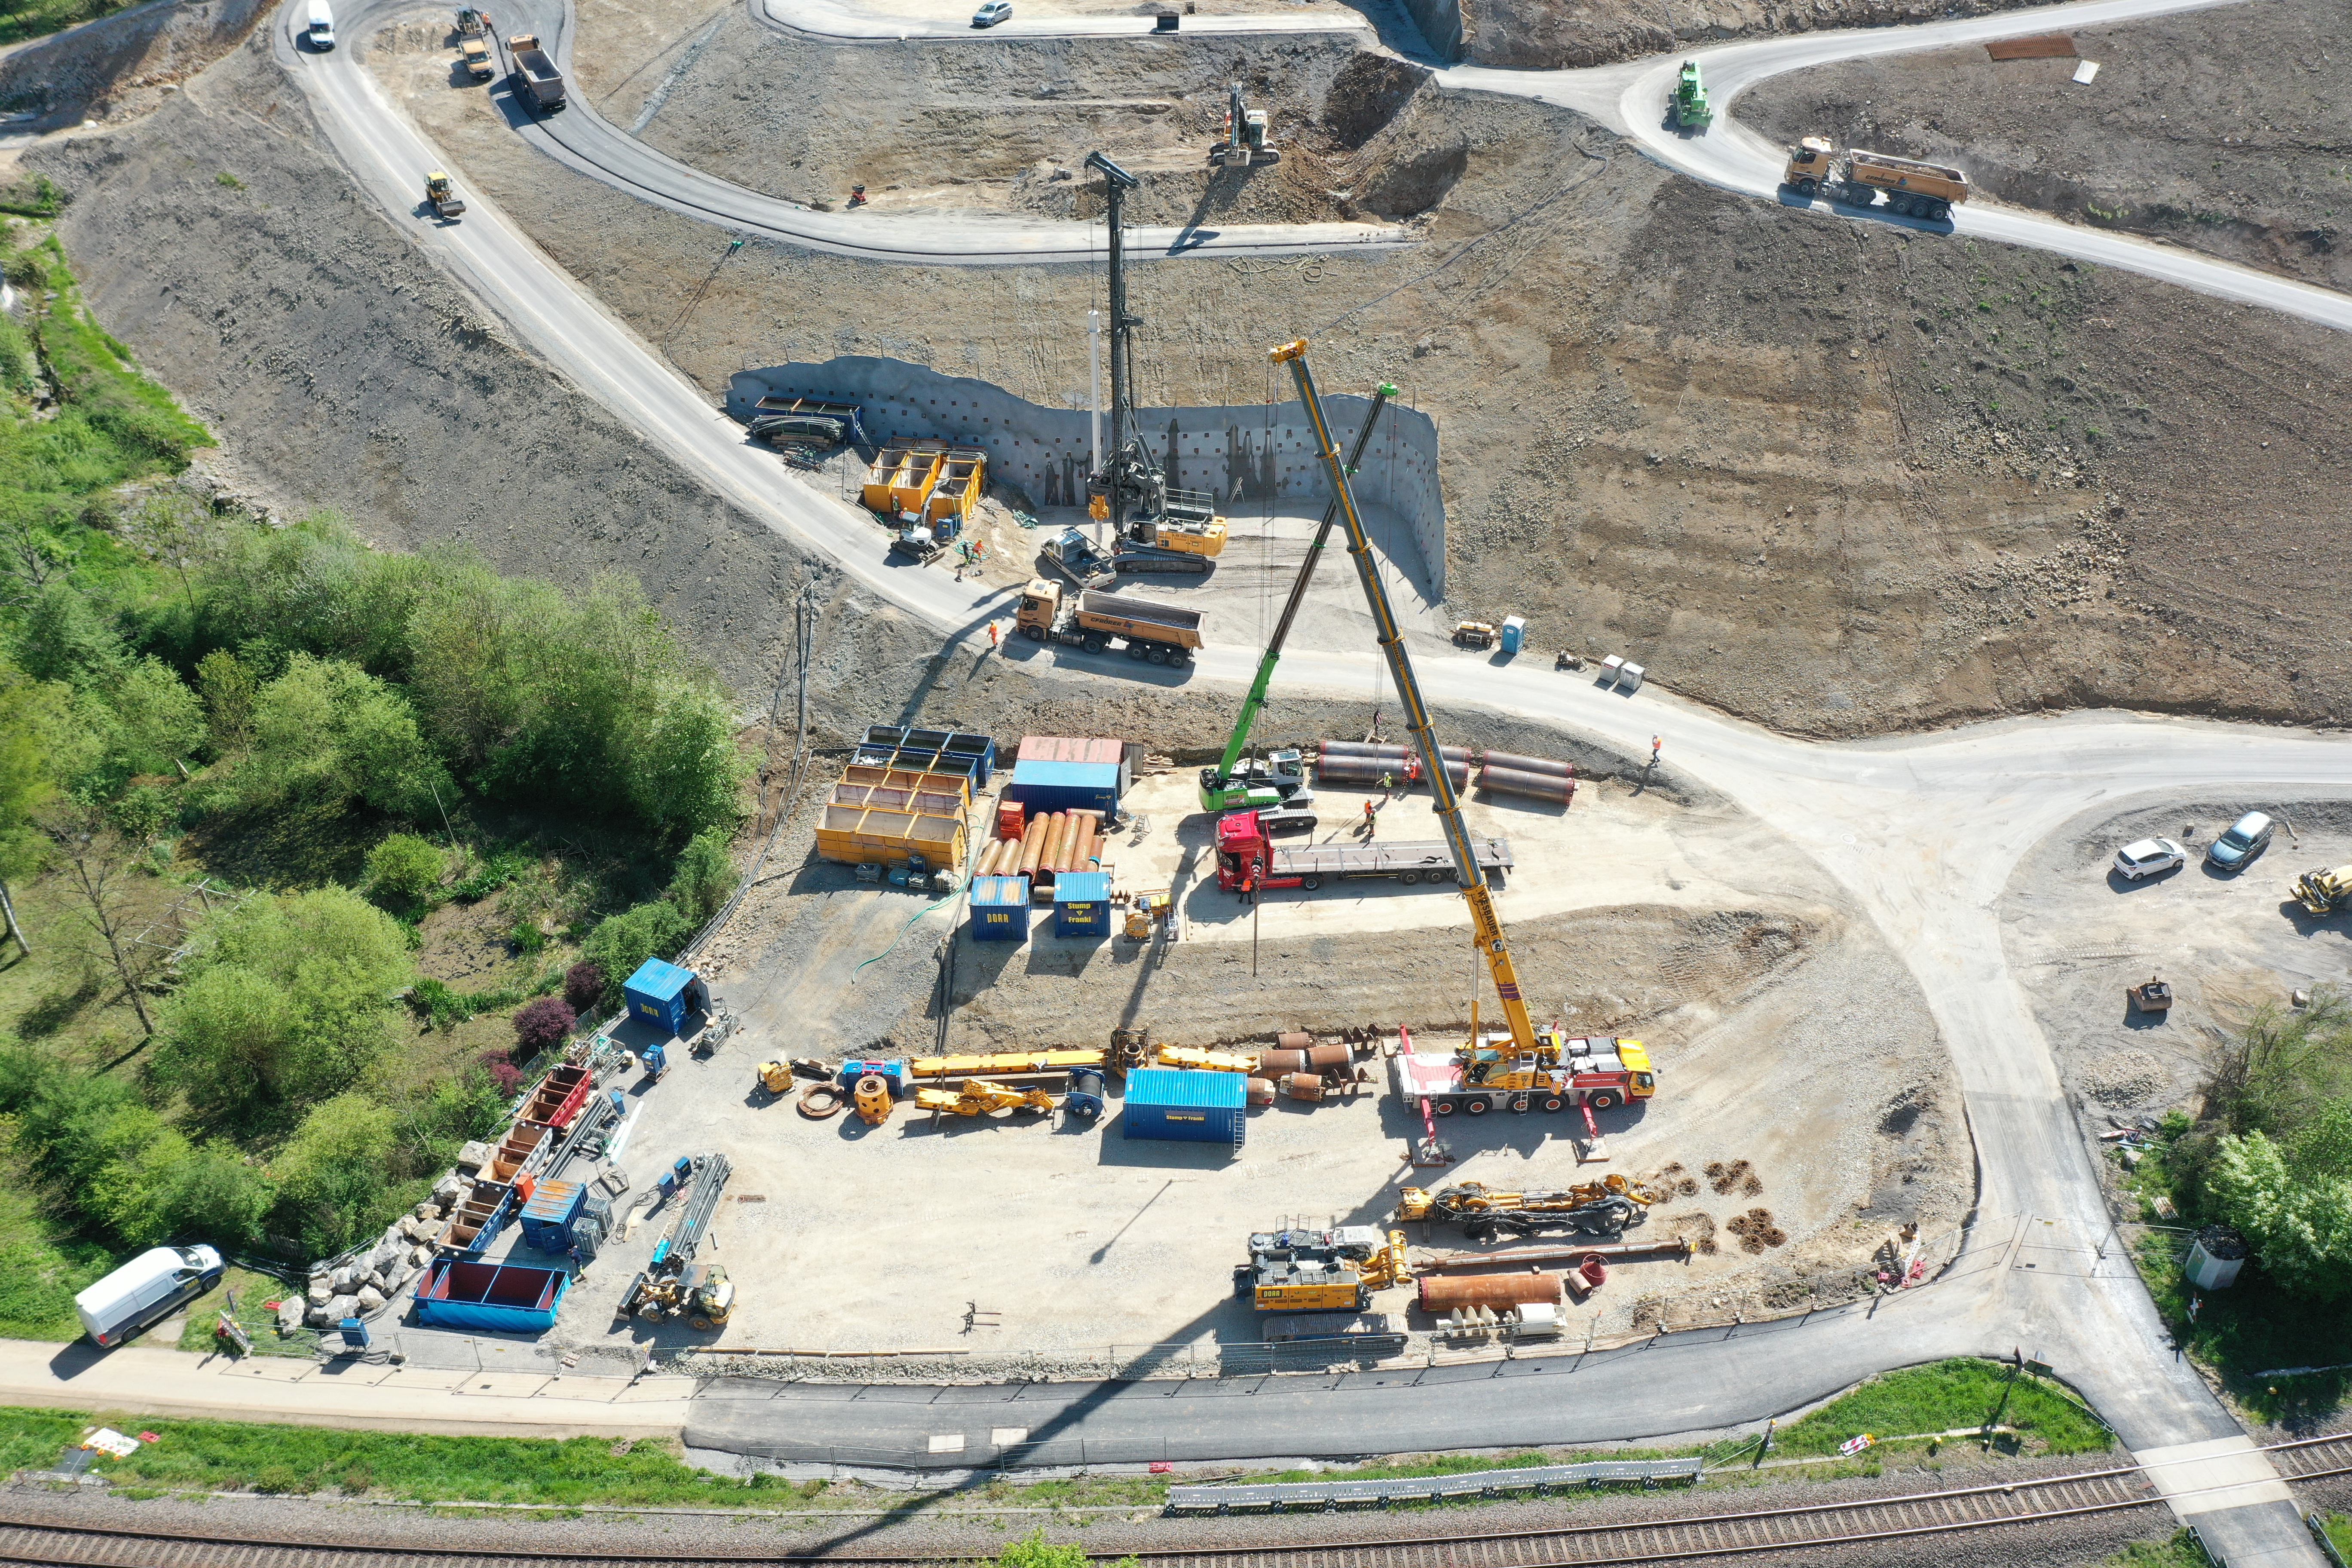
(504, 1073)
(541, 1024)
(583, 986)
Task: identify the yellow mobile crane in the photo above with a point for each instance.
(1545, 1068)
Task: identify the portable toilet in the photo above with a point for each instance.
(1000, 909)
(662, 994)
(1082, 903)
(1515, 632)
(1186, 1107)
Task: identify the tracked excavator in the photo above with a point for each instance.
(1544, 1061)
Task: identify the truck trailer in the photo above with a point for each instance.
(1857, 176)
(1163, 633)
(536, 77)
(1248, 861)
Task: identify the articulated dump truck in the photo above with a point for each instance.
(1855, 177)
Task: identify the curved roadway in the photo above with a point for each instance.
(1923, 831)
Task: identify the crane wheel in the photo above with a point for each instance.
(701, 1325)
(1604, 1099)
(1476, 1107)
(819, 1100)
(1409, 878)
(1553, 1102)
(1518, 1102)
(1443, 1108)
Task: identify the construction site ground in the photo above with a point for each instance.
(2221, 130)
(1686, 926)
(1840, 479)
(2079, 934)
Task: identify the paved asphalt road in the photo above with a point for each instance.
(1923, 830)
(835, 19)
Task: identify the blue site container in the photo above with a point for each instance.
(1050, 787)
(1082, 903)
(1186, 1107)
(501, 1297)
(662, 994)
(548, 1218)
(1000, 909)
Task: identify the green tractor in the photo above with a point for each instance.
(1690, 104)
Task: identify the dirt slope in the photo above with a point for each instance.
(1837, 478)
(2220, 130)
(121, 65)
(1547, 34)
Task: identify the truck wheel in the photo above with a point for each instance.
(1807, 188)
(1474, 1106)
(1310, 883)
(1157, 655)
(1552, 1102)
(1938, 212)
(1443, 1107)
(1408, 878)
(1136, 650)
(1097, 642)
(1861, 196)
(1035, 634)
(1603, 1099)
(1519, 1103)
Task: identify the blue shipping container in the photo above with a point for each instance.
(1066, 786)
(662, 994)
(1000, 909)
(548, 1218)
(1186, 1107)
(1082, 903)
(499, 1297)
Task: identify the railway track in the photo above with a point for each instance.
(1680, 1538)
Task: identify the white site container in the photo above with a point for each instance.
(1629, 678)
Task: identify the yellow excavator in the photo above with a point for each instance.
(978, 1097)
(1485, 924)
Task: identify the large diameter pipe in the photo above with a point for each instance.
(1384, 752)
(1530, 764)
(1369, 770)
(1534, 786)
(1056, 836)
(1441, 1293)
(1455, 1262)
(1033, 843)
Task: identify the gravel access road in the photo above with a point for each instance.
(1923, 831)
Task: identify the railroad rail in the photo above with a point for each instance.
(1670, 1539)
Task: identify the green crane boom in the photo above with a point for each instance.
(1220, 790)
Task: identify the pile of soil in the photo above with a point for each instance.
(2217, 130)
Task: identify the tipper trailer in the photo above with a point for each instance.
(1857, 176)
(1162, 634)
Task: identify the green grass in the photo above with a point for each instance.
(2174, 1551)
(2250, 1329)
(41, 1266)
(252, 1289)
(2340, 1532)
(1947, 1396)
(23, 19)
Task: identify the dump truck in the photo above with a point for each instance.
(2324, 892)
(476, 53)
(1857, 176)
(1492, 1073)
(1689, 103)
(536, 78)
(1248, 861)
(1162, 634)
(443, 197)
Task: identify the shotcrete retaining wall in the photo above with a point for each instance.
(1240, 453)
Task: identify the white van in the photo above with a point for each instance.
(145, 1290)
(321, 31)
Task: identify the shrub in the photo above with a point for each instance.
(541, 1024)
(403, 867)
(583, 986)
(621, 942)
(503, 1073)
(705, 877)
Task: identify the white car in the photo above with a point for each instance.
(2148, 856)
(993, 12)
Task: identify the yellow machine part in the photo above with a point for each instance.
(776, 1077)
(1192, 539)
(1337, 1294)
(1388, 1266)
(1412, 1203)
(872, 1101)
(1001, 1061)
(978, 1097)
(1476, 1197)
(1213, 1062)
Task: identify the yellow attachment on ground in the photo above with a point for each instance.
(776, 1076)
(1412, 1203)
(872, 1101)
(1388, 1266)
(1213, 1062)
(978, 1097)
(1001, 1061)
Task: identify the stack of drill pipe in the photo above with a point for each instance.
(1293, 1040)
(1457, 1262)
(1303, 1086)
(1531, 786)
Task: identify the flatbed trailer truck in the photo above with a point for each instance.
(1162, 634)
(1491, 1073)
(536, 77)
(1247, 858)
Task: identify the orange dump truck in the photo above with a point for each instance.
(1855, 177)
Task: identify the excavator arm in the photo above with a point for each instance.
(1212, 793)
(1485, 923)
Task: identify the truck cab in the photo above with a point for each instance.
(1041, 607)
(1809, 166)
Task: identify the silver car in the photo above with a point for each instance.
(993, 12)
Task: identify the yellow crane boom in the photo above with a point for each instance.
(1474, 890)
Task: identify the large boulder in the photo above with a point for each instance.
(342, 1307)
(420, 1257)
(448, 1189)
(290, 1314)
(320, 1292)
(369, 1299)
(344, 1281)
(316, 1318)
(392, 1245)
(474, 1157)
